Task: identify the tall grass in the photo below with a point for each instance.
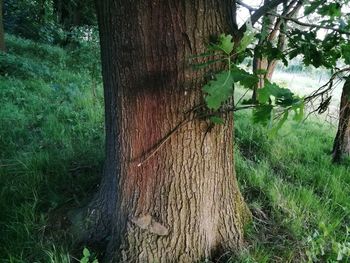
(299, 199)
(51, 141)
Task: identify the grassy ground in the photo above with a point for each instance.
(51, 141)
(299, 199)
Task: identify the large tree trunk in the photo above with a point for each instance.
(169, 194)
(2, 31)
(341, 146)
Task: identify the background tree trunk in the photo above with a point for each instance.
(275, 27)
(341, 146)
(2, 31)
(41, 11)
(173, 200)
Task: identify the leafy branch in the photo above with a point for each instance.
(219, 90)
(318, 26)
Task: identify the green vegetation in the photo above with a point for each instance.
(51, 141)
(299, 199)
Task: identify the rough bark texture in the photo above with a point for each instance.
(341, 146)
(2, 31)
(178, 201)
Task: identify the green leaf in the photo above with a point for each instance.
(299, 111)
(218, 89)
(279, 124)
(265, 93)
(216, 120)
(206, 64)
(312, 7)
(283, 97)
(86, 252)
(262, 114)
(224, 44)
(332, 10)
(247, 39)
(345, 50)
(260, 71)
(246, 79)
(248, 101)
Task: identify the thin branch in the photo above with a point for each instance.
(153, 151)
(296, 21)
(321, 91)
(288, 11)
(241, 98)
(265, 9)
(188, 117)
(258, 13)
(245, 107)
(250, 8)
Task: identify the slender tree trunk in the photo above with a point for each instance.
(275, 28)
(260, 62)
(41, 11)
(341, 146)
(290, 10)
(2, 31)
(169, 192)
(58, 10)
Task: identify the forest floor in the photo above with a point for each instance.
(52, 139)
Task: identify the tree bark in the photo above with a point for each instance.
(341, 146)
(2, 31)
(169, 192)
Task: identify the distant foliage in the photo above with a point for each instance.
(48, 21)
(85, 54)
(32, 20)
(324, 51)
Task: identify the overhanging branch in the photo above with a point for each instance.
(296, 21)
(264, 10)
(258, 13)
(250, 8)
(321, 90)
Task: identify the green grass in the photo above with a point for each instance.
(300, 200)
(51, 141)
